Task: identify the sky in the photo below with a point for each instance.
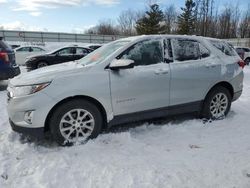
(76, 15)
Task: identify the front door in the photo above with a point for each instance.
(64, 55)
(144, 87)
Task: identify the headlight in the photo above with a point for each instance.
(26, 90)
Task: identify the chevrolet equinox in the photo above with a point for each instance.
(126, 80)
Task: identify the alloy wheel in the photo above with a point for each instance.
(218, 105)
(77, 125)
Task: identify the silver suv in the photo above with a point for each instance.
(127, 80)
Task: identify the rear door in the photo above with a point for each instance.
(193, 71)
(80, 53)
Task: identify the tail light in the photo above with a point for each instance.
(241, 63)
(4, 56)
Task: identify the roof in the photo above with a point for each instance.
(133, 38)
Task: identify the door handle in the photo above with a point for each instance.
(210, 65)
(161, 71)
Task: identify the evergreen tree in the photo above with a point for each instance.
(152, 22)
(186, 20)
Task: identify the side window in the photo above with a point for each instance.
(36, 49)
(24, 49)
(81, 51)
(204, 52)
(65, 51)
(224, 47)
(185, 49)
(144, 53)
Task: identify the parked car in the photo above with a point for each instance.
(25, 51)
(244, 53)
(127, 80)
(14, 46)
(61, 55)
(8, 67)
(93, 46)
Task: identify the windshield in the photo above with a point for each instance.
(103, 52)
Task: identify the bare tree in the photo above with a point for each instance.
(228, 22)
(208, 21)
(105, 27)
(244, 26)
(204, 12)
(171, 19)
(126, 21)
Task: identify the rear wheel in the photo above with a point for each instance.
(217, 103)
(42, 64)
(75, 121)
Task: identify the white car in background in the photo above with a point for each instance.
(25, 51)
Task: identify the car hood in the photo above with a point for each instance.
(39, 55)
(47, 74)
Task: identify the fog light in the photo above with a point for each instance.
(11, 94)
(28, 116)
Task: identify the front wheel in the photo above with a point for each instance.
(75, 121)
(217, 103)
(42, 64)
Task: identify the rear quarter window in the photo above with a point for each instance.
(224, 47)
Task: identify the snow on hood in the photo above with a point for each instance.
(46, 74)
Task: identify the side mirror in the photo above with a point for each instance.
(121, 64)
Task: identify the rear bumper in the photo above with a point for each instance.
(33, 132)
(237, 95)
(10, 72)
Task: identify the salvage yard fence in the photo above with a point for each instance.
(244, 42)
(43, 37)
(30, 36)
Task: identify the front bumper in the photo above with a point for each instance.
(40, 103)
(9, 72)
(30, 66)
(33, 132)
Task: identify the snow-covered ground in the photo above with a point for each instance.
(178, 153)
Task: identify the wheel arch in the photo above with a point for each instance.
(42, 60)
(224, 84)
(83, 97)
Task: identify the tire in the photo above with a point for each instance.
(75, 117)
(217, 103)
(41, 64)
